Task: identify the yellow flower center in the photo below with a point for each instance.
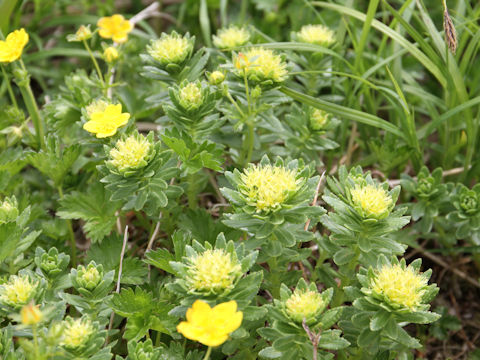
(170, 49)
(129, 153)
(401, 286)
(264, 64)
(231, 37)
(318, 119)
(304, 304)
(316, 34)
(18, 290)
(12, 47)
(191, 96)
(114, 27)
(105, 123)
(213, 270)
(267, 187)
(373, 201)
(76, 333)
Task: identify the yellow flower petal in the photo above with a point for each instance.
(11, 49)
(115, 27)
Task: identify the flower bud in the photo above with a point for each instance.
(305, 304)
(319, 120)
(131, 154)
(191, 96)
(110, 54)
(8, 210)
(31, 314)
(231, 37)
(216, 77)
(88, 277)
(371, 201)
(171, 49)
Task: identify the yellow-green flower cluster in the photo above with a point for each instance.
(96, 106)
(170, 49)
(304, 304)
(18, 291)
(191, 95)
(261, 64)
(267, 187)
(319, 119)
(88, 277)
(231, 37)
(316, 34)
(131, 153)
(212, 271)
(399, 286)
(371, 201)
(8, 210)
(216, 77)
(76, 333)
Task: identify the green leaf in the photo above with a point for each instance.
(269, 353)
(379, 320)
(129, 303)
(9, 238)
(331, 340)
(160, 258)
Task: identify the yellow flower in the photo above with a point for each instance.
(316, 34)
(12, 47)
(262, 64)
(318, 119)
(114, 27)
(18, 291)
(231, 37)
(105, 123)
(304, 305)
(371, 201)
(404, 287)
(211, 326)
(191, 96)
(212, 271)
(31, 314)
(170, 49)
(76, 332)
(267, 187)
(130, 153)
(110, 54)
(216, 77)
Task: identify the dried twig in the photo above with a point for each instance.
(315, 198)
(314, 338)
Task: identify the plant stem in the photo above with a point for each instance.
(191, 192)
(9, 88)
(248, 143)
(207, 355)
(35, 341)
(95, 63)
(73, 245)
(32, 107)
(232, 100)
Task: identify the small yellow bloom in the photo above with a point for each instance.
(316, 34)
(105, 123)
(130, 153)
(31, 314)
(114, 27)
(170, 49)
(191, 96)
(83, 33)
(211, 326)
(216, 77)
(18, 291)
(110, 54)
(372, 201)
(12, 47)
(318, 119)
(76, 332)
(267, 187)
(212, 271)
(262, 64)
(304, 305)
(404, 287)
(231, 37)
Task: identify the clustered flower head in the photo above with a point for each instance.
(316, 34)
(95, 106)
(8, 210)
(171, 48)
(371, 201)
(213, 271)
(319, 119)
(76, 332)
(31, 314)
(104, 123)
(18, 291)
(260, 65)
(12, 47)
(233, 36)
(191, 95)
(114, 27)
(211, 326)
(88, 277)
(267, 187)
(131, 153)
(402, 287)
(304, 304)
